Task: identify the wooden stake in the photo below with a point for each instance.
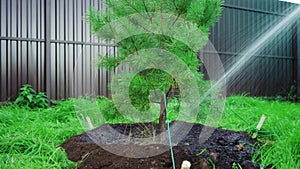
(259, 125)
(89, 122)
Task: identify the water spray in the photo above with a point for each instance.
(247, 54)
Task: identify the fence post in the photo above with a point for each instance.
(47, 49)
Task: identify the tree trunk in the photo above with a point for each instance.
(163, 114)
(162, 120)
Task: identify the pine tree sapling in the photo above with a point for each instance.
(201, 13)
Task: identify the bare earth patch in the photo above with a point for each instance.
(222, 150)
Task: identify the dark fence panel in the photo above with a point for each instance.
(47, 43)
(74, 51)
(22, 45)
(297, 40)
(271, 70)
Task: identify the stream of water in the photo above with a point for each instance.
(246, 55)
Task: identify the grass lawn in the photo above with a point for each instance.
(281, 136)
(29, 138)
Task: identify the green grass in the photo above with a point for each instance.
(30, 138)
(281, 136)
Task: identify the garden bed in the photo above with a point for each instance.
(224, 149)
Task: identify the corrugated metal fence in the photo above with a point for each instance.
(47, 43)
(275, 67)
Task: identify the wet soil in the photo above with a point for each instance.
(221, 150)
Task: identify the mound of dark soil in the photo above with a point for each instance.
(222, 150)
